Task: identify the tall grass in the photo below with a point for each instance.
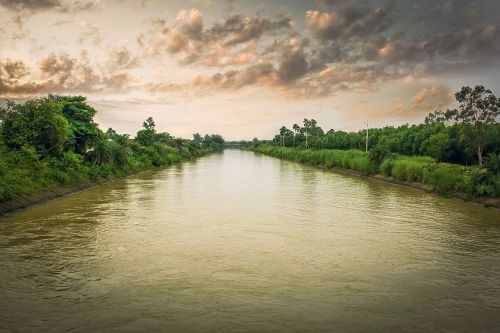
(348, 159)
(444, 178)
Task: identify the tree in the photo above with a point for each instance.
(478, 108)
(84, 132)
(101, 153)
(378, 153)
(197, 138)
(37, 124)
(307, 126)
(283, 132)
(311, 129)
(437, 145)
(146, 136)
(121, 139)
(149, 124)
(255, 142)
(163, 138)
(493, 163)
(296, 129)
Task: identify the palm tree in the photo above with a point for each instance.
(296, 129)
(101, 154)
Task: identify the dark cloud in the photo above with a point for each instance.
(30, 4)
(43, 5)
(346, 45)
(354, 45)
(12, 69)
(240, 29)
(350, 21)
(408, 37)
(229, 38)
(293, 65)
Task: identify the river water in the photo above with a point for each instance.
(239, 242)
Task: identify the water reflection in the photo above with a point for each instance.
(237, 241)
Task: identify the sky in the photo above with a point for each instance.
(243, 69)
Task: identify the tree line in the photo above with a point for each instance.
(464, 135)
(456, 151)
(55, 140)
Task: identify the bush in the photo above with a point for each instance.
(445, 178)
(378, 154)
(478, 182)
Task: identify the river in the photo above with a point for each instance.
(238, 241)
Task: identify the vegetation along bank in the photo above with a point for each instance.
(454, 153)
(51, 146)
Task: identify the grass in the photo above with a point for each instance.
(22, 172)
(347, 159)
(445, 178)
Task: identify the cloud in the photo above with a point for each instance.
(91, 33)
(59, 73)
(222, 56)
(434, 95)
(345, 46)
(43, 5)
(449, 38)
(350, 21)
(121, 58)
(241, 29)
(12, 69)
(293, 64)
(230, 39)
(426, 99)
(30, 4)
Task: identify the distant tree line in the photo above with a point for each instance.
(463, 136)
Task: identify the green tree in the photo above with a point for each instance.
(437, 145)
(296, 130)
(311, 130)
(378, 154)
(478, 108)
(101, 153)
(493, 163)
(163, 138)
(37, 124)
(197, 138)
(146, 136)
(84, 132)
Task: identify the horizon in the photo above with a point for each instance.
(243, 69)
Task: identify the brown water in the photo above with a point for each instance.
(244, 242)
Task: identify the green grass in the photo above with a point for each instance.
(445, 178)
(22, 172)
(348, 159)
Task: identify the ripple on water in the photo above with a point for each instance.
(244, 242)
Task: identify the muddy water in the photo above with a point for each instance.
(244, 242)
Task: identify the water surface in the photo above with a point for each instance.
(245, 242)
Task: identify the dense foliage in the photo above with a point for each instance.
(462, 136)
(55, 141)
(441, 152)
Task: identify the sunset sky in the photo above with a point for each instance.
(245, 68)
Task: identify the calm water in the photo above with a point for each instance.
(244, 242)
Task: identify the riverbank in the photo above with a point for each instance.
(56, 191)
(422, 173)
(51, 146)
